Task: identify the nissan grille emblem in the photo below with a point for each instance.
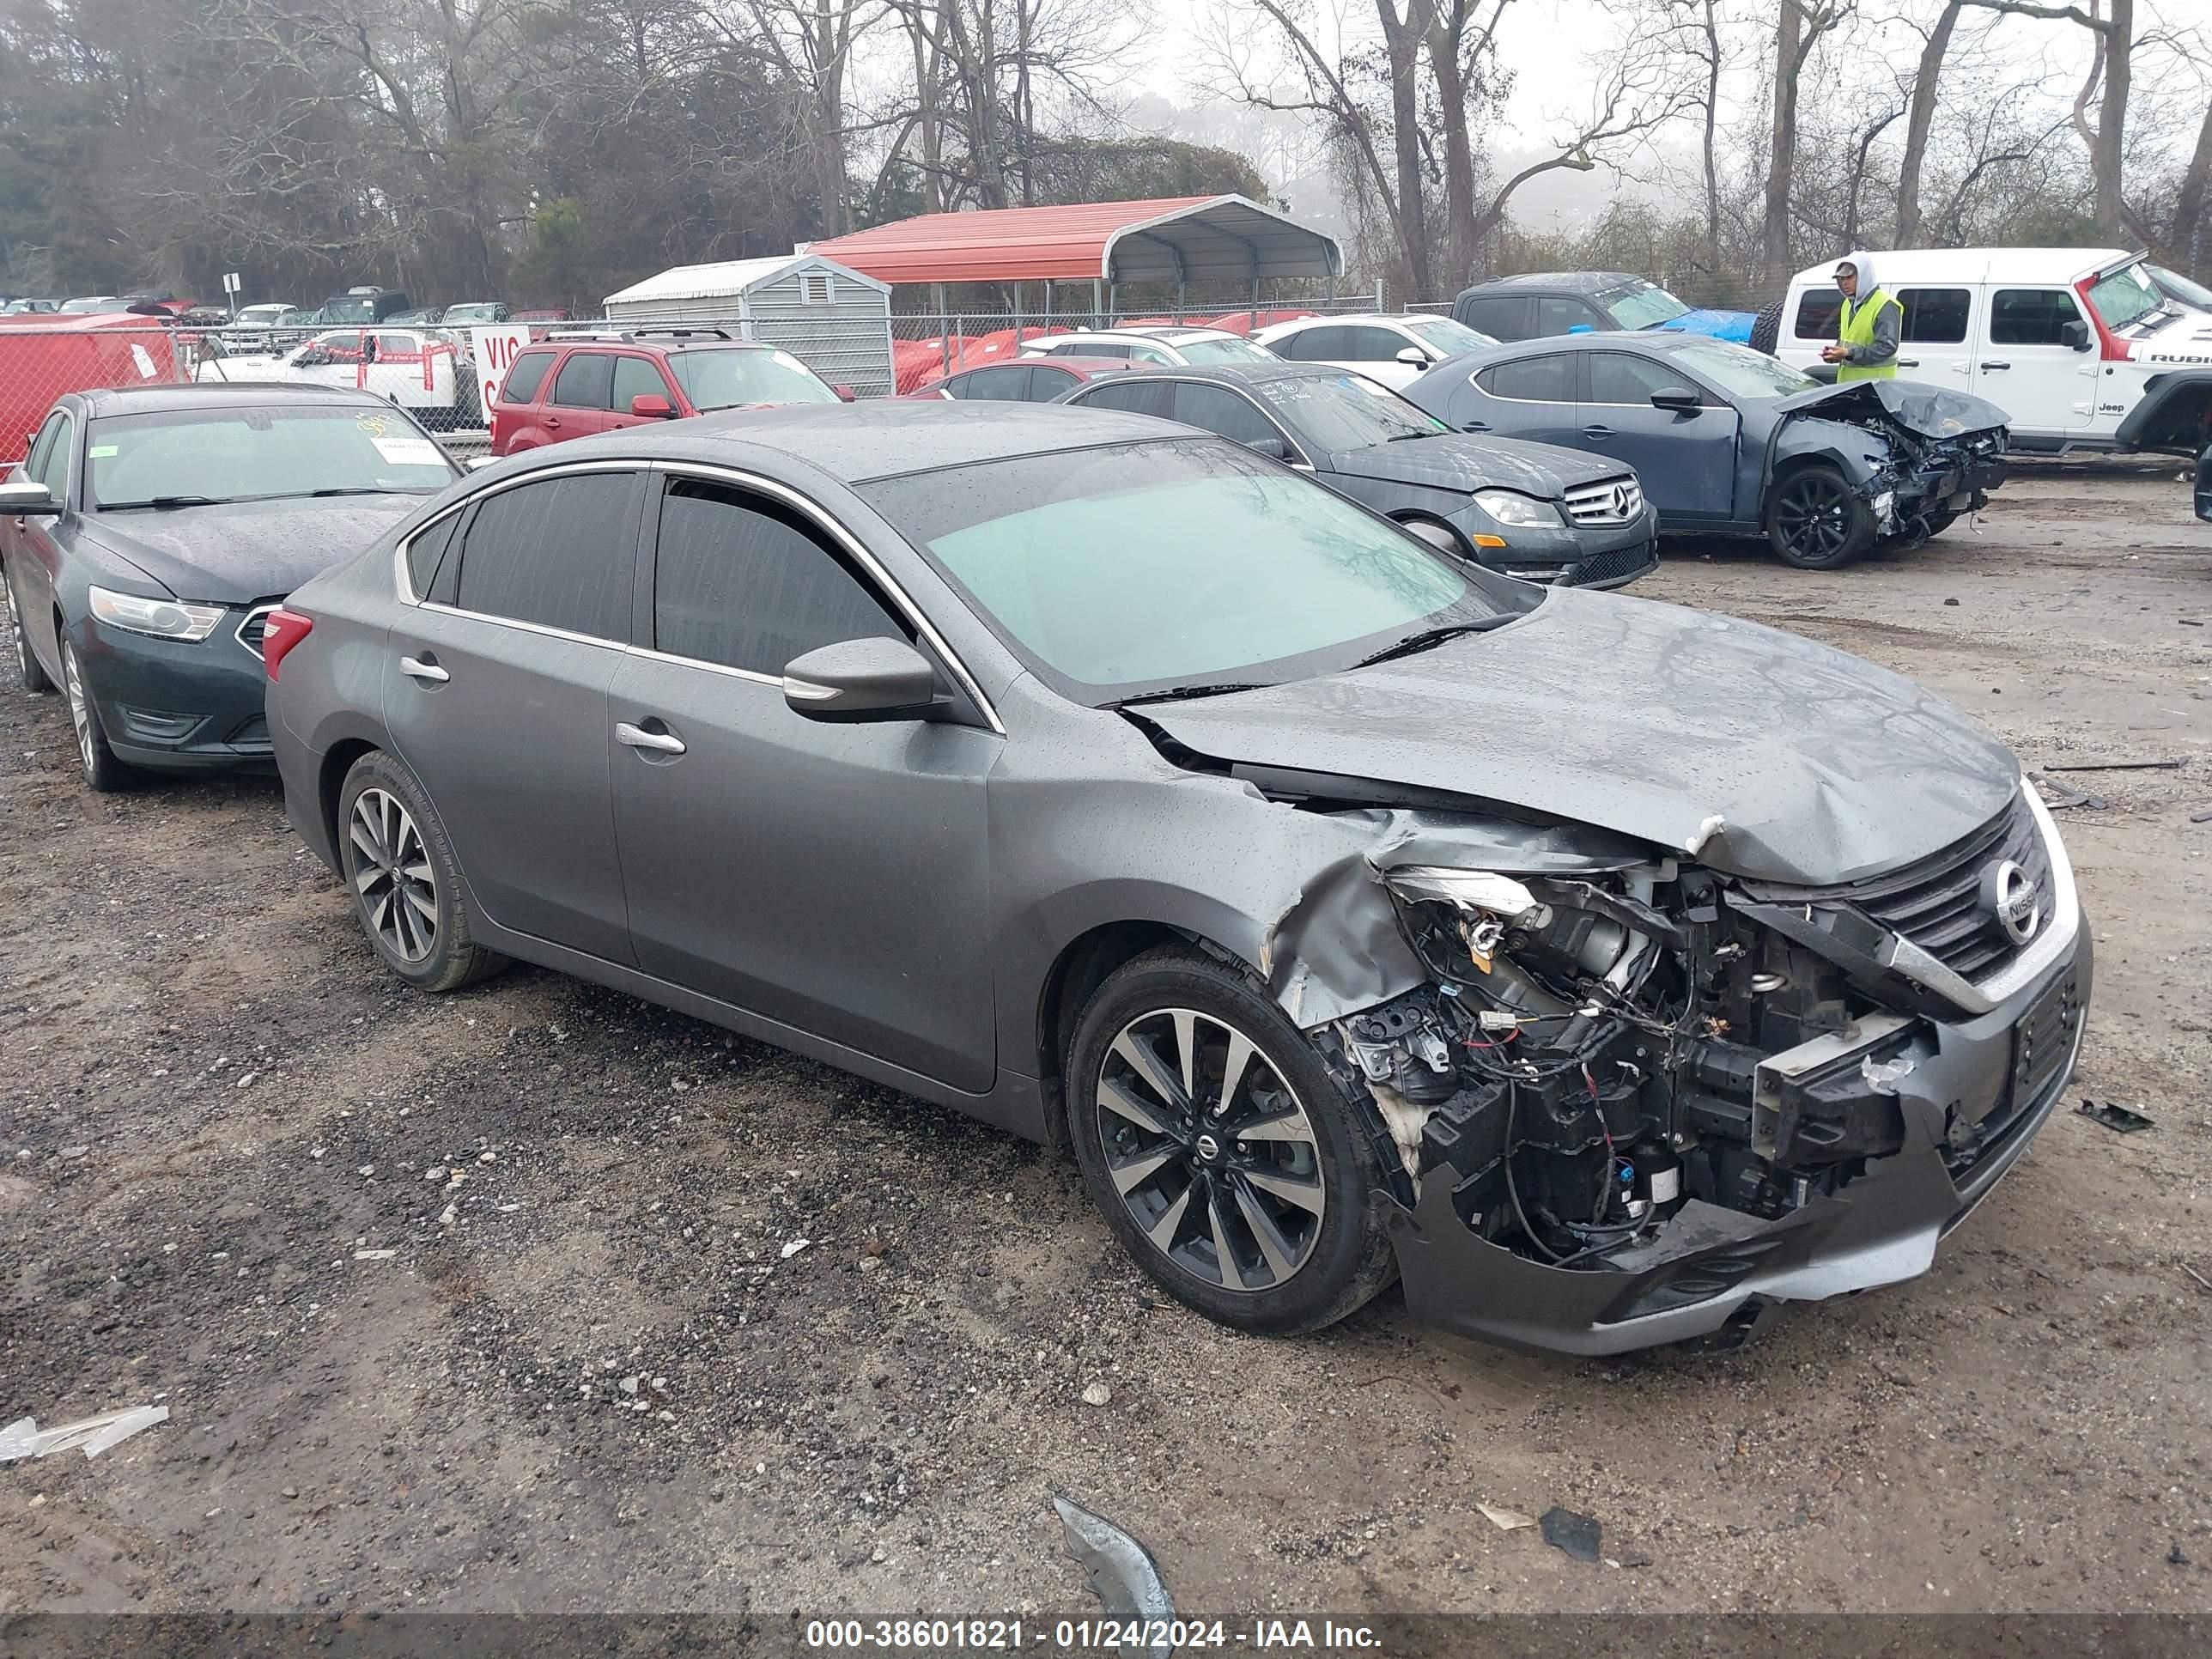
(2009, 894)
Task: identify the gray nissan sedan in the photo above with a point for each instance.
(1611, 972)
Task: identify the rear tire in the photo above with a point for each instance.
(1256, 1206)
(402, 878)
(29, 668)
(1816, 521)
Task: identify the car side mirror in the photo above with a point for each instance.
(856, 680)
(1680, 399)
(1436, 536)
(844, 394)
(2075, 335)
(652, 406)
(27, 498)
(1274, 449)
(1414, 357)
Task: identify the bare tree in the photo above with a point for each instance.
(1799, 25)
(812, 42)
(2113, 64)
(1920, 119)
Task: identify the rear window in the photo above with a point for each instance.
(560, 552)
(524, 378)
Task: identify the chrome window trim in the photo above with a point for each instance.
(855, 550)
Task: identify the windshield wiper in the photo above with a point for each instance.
(1183, 693)
(356, 489)
(1400, 437)
(163, 502)
(1435, 636)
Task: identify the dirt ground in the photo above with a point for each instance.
(210, 1100)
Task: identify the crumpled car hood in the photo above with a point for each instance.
(1467, 462)
(1650, 721)
(235, 552)
(1926, 412)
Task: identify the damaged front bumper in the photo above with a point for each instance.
(1711, 1268)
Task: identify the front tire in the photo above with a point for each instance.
(404, 882)
(103, 773)
(1816, 521)
(1228, 1160)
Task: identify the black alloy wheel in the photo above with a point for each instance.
(1816, 521)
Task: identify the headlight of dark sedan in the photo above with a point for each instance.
(1509, 507)
(167, 619)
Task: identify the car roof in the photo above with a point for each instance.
(226, 394)
(1567, 282)
(1976, 264)
(1060, 359)
(1167, 333)
(878, 438)
(1245, 373)
(1356, 317)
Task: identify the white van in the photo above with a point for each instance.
(2060, 338)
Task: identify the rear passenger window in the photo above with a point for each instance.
(1532, 380)
(586, 381)
(637, 377)
(2031, 316)
(739, 582)
(427, 550)
(1223, 413)
(1935, 316)
(1817, 310)
(1330, 343)
(560, 553)
(1007, 384)
(1132, 397)
(523, 379)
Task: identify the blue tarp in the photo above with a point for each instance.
(1720, 325)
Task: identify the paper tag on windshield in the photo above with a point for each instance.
(99, 451)
(140, 356)
(407, 452)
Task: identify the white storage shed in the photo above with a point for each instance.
(832, 319)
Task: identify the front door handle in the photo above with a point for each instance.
(416, 668)
(1597, 432)
(1908, 362)
(1476, 426)
(637, 737)
(552, 423)
(1986, 367)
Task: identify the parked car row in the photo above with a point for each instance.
(1609, 972)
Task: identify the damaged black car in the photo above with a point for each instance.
(1611, 972)
(1730, 442)
(2175, 418)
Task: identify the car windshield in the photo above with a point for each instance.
(1738, 370)
(472, 313)
(1229, 349)
(727, 378)
(1348, 411)
(1448, 339)
(203, 455)
(2125, 296)
(2178, 287)
(1135, 569)
(1646, 305)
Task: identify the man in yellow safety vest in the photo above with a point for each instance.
(1866, 328)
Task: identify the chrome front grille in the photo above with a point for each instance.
(1609, 500)
(1938, 903)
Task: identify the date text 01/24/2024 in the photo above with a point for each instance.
(1082, 1635)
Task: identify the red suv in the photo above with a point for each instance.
(571, 388)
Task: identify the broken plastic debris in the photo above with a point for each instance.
(795, 1246)
(1884, 1076)
(375, 1255)
(1506, 1520)
(2116, 1118)
(1574, 1534)
(1712, 827)
(24, 1439)
(1122, 1572)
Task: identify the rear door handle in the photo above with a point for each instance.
(417, 668)
(637, 737)
(1908, 362)
(1597, 432)
(551, 424)
(1986, 367)
(1476, 426)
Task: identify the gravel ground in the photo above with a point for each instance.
(499, 1301)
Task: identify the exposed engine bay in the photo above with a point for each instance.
(1939, 454)
(1593, 1053)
